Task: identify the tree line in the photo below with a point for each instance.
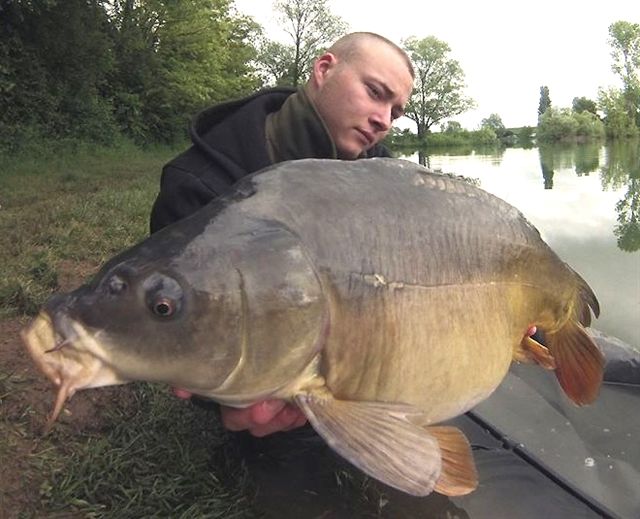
(95, 69)
(98, 70)
(616, 112)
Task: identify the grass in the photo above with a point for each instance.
(64, 211)
(79, 204)
(156, 457)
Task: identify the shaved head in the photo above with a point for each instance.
(351, 45)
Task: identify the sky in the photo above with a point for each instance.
(507, 49)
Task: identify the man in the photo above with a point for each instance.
(355, 92)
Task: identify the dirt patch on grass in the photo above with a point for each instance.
(72, 274)
(26, 399)
(17, 484)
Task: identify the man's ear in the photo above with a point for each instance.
(322, 67)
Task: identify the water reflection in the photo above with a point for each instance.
(423, 156)
(622, 168)
(547, 166)
(583, 159)
(587, 159)
(618, 166)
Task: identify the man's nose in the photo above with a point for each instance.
(381, 119)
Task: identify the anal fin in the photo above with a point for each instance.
(458, 475)
(378, 438)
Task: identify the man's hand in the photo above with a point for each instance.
(263, 418)
(260, 419)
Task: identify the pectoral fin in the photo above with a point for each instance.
(380, 439)
(531, 350)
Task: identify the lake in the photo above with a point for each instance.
(585, 201)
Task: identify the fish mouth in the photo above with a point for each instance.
(69, 356)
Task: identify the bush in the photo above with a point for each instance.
(556, 125)
(588, 125)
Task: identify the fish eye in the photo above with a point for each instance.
(163, 295)
(164, 307)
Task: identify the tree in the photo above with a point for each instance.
(91, 69)
(274, 63)
(583, 104)
(625, 43)
(618, 123)
(494, 122)
(55, 60)
(545, 101)
(311, 27)
(589, 126)
(174, 58)
(452, 127)
(565, 124)
(24, 92)
(556, 125)
(439, 84)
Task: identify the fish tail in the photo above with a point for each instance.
(579, 362)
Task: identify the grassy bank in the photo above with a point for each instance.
(131, 451)
(69, 204)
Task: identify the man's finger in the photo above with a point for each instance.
(181, 393)
(283, 421)
(300, 421)
(264, 412)
(249, 417)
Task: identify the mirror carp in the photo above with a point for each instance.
(381, 298)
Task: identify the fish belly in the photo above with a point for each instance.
(440, 349)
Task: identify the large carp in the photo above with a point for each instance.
(380, 298)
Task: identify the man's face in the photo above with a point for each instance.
(359, 99)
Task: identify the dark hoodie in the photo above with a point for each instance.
(230, 141)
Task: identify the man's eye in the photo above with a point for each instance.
(373, 91)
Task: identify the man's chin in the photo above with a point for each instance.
(351, 153)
